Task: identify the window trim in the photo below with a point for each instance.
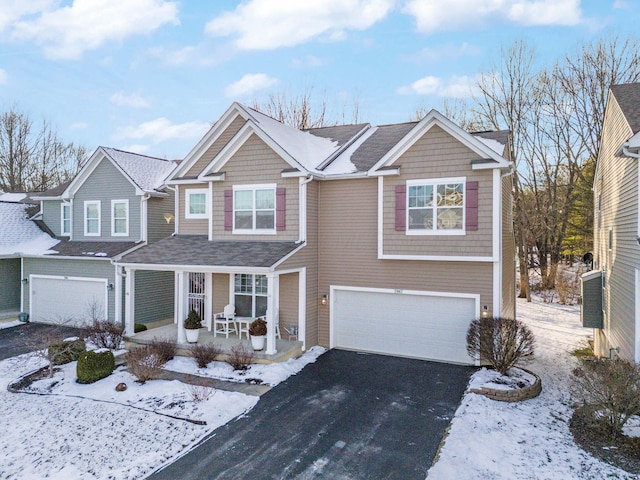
(253, 293)
(187, 203)
(254, 230)
(64, 205)
(86, 219)
(113, 218)
(435, 182)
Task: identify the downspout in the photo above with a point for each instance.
(303, 209)
(143, 217)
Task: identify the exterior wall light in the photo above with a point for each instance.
(485, 311)
(25, 281)
(168, 217)
(325, 300)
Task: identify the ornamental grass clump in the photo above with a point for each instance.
(502, 342)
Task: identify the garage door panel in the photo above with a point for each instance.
(421, 326)
(67, 301)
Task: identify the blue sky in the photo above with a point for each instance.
(151, 75)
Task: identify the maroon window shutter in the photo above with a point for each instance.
(401, 208)
(228, 210)
(281, 209)
(472, 205)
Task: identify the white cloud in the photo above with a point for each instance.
(3, 76)
(250, 84)
(266, 25)
(446, 15)
(11, 10)
(162, 129)
(67, 32)
(132, 100)
(455, 87)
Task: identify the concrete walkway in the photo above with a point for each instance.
(246, 388)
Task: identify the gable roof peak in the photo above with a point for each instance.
(627, 96)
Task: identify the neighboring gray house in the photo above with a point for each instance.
(18, 235)
(113, 206)
(611, 292)
(387, 239)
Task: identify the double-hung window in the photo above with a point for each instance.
(254, 209)
(250, 295)
(435, 206)
(196, 201)
(92, 218)
(119, 217)
(65, 219)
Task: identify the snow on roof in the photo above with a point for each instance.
(12, 197)
(492, 144)
(307, 149)
(18, 234)
(148, 173)
(343, 163)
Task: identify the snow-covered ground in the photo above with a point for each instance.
(94, 432)
(531, 439)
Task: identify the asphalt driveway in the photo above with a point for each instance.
(347, 416)
(31, 336)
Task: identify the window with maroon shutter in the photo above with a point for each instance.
(401, 208)
(281, 209)
(434, 207)
(471, 193)
(228, 210)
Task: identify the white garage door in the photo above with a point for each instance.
(67, 300)
(415, 325)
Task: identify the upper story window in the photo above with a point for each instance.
(435, 207)
(196, 201)
(254, 209)
(92, 218)
(119, 217)
(65, 219)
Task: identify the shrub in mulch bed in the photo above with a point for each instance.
(93, 366)
(106, 334)
(144, 363)
(65, 351)
(164, 349)
(204, 354)
(239, 357)
(595, 437)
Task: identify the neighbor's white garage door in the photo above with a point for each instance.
(67, 300)
(405, 324)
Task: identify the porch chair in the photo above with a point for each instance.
(225, 322)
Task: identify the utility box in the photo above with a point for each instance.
(591, 308)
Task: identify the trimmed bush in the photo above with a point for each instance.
(164, 349)
(609, 391)
(503, 342)
(105, 334)
(65, 351)
(204, 354)
(95, 365)
(139, 327)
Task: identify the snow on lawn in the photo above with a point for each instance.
(530, 439)
(268, 374)
(100, 435)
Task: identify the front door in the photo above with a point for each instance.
(197, 295)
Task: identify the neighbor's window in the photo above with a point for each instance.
(196, 203)
(92, 218)
(119, 217)
(250, 295)
(254, 208)
(435, 206)
(65, 219)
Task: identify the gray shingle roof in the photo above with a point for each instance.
(55, 191)
(383, 139)
(68, 248)
(148, 173)
(500, 136)
(338, 133)
(198, 250)
(628, 97)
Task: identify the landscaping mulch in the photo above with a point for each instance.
(617, 450)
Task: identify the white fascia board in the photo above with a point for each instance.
(42, 199)
(191, 181)
(207, 140)
(64, 257)
(194, 268)
(488, 166)
(384, 173)
(436, 258)
(294, 174)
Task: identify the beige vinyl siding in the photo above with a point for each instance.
(508, 251)
(157, 226)
(154, 296)
(106, 183)
(9, 284)
(70, 268)
(308, 257)
(52, 215)
(288, 312)
(256, 156)
(190, 226)
(220, 291)
(216, 147)
(438, 155)
(347, 253)
(617, 181)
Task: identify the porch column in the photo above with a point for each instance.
(118, 296)
(181, 288)
(129, 301)
(208, 299)
(272, 312)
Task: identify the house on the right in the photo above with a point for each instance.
(611, 291)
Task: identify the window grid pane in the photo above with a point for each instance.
(447, 208)
(197, 203)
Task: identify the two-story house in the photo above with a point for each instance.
(112, 206)
(386, 239)
(611, 292)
